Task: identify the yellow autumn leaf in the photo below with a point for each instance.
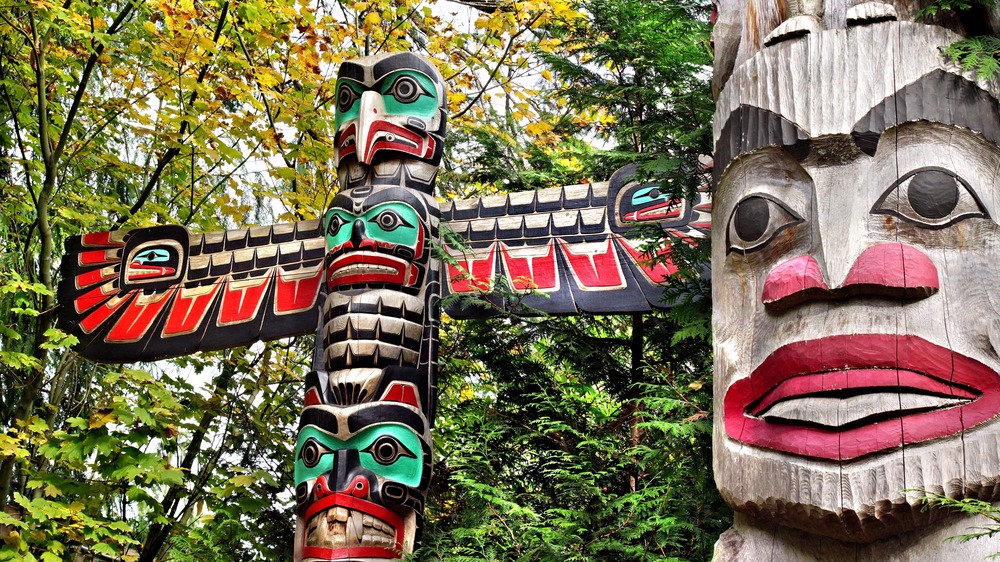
(372, 19)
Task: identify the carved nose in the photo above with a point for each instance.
(885, 270)
(358, 232)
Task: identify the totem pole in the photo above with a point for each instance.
(856, 325)
(366, 280)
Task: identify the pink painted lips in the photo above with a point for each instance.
(844, 397)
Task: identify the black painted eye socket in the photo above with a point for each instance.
(346, 96)
(312, 452)
(335, 224)
(387, 450)
(755, 221)
(406, 89)
(389, 220)
(930, 197)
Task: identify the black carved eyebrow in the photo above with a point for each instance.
(320, 418)
(385, 412)
(352, 71)
(400, 61)
(749, 128)
(937, 96)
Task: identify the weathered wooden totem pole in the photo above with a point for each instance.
(855, 246)
(366, 280)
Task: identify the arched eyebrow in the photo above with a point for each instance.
(938, 96)
(750, 128)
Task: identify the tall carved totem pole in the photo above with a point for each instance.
(855, 252)
(366, 280)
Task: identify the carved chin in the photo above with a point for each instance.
(342, 533)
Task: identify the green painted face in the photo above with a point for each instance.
(393, 223)
(404, 92)
(390, 450)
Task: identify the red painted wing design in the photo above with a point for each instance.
(571, 249)
(161, 292)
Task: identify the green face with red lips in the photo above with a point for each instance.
(376, 241)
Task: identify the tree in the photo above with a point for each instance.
(588, 438)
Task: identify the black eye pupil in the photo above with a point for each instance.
(386, 451)
(751, 219)
(933, 194)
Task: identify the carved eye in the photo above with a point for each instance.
(406, 89)
(336, 222)
(387, 450)
(755, 221)
(312, 452)
(346, 96)
(389, 220)
(931, 198)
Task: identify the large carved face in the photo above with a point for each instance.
(390, 122)
(379, 238)
(361, 473)
(856, 322)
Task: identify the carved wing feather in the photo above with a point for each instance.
(567, 249)
(163, 291)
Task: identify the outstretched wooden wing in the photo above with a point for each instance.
(160, 292)
(568, 249)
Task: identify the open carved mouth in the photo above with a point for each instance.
(370, 267)
(344, 527)
(843, 397)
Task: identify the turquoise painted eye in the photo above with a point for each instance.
(312, 452)
(406, 89)
(348, 94)
(390, 450)
(407, 92)
(387, 449)
(152, 256)
(389, 220)
(644, 196)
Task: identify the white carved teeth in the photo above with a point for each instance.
(342, 527)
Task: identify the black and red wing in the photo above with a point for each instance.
(159, 292)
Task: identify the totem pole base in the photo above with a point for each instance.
(751, 540)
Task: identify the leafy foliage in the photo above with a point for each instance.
(979, 53)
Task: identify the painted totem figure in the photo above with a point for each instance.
(364, 279)
(856, 324)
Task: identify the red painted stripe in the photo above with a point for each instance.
(656, 273)
(139, 315)
(93, 257)
(189, 310)
(98, 239)
(93, 320)
(472, 274)
(532, 272)
(294, 294)
(242, 304)
(595, 270)
(96, 276)
(93, 298)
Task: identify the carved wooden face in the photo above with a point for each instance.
(856, 322)
(361, 475)
(390, 121)
(379, 238)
